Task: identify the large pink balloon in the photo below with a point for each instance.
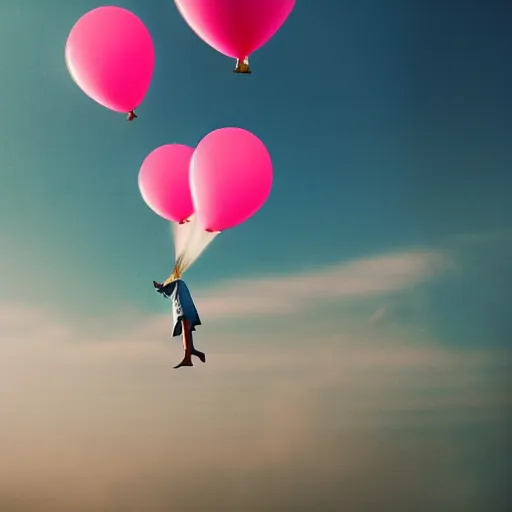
(230, 178)
(110, 55)
(164, 182)
(235, 28)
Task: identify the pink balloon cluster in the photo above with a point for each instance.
(224, 181)
(110, 54)
(228, 176)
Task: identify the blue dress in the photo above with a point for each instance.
(183, 306)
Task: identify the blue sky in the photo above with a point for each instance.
(389, 224)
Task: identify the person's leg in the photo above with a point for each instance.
(192, 348)
(187, 344)
(195, 352)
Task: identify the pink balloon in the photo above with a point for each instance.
(235, 28)
(230, 178)
(164, 182)
(110, 55)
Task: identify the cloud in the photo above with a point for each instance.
(360, 279)
(94, 418)
(378, 315)
(483, 239)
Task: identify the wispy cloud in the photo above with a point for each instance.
(94, 418)
(378, 315)
(360, 279)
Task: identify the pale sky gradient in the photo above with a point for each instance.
(357, 328)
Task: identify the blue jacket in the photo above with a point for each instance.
(183, 306)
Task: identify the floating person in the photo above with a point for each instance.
(185, 317)
(242, 67)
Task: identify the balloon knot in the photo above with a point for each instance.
(131, 115)
(242, 67)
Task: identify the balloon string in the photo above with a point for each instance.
(190, 241)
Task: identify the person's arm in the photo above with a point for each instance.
(159, 287)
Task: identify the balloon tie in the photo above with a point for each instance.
(242, 67)
(131, 115)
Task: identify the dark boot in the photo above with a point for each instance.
(200, 355)
(187, 361)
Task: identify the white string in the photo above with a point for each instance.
(190, 241)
